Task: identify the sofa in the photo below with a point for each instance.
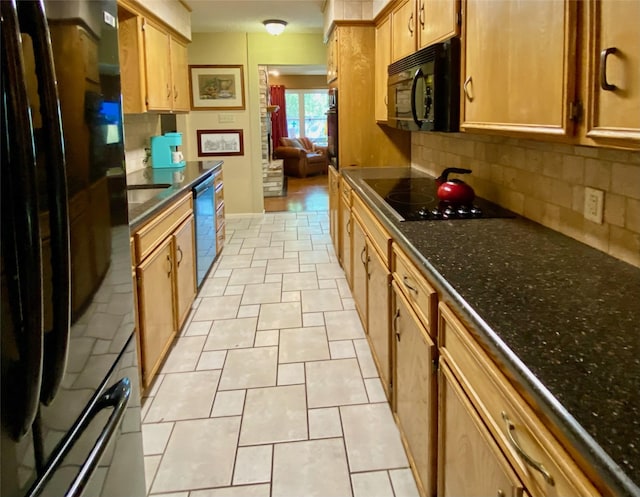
(301, 157)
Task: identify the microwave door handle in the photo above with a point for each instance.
(21, 246)
(34, 22)
(414, 87)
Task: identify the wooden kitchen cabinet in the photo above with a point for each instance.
(332, 57)
(403, 30)
(153, 65)
(164, 255)
(471, 464)
(541, 461)
(334, 207)
(218, 184)
(519, 66)
(437, 21)
(613, 112)
(414, 387)
(360, 259)
(346, 254)
(383, 59)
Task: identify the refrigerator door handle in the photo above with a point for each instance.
(21, 247)
(117, 397)
(33, 21)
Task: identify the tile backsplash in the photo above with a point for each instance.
(546, 183)
(138, 130)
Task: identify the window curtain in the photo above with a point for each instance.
(278, 118)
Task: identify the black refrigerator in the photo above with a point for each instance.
(70, 396)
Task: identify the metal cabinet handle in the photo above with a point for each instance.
(465, 87)
(395, 324)
(421, 18)
(168, 91)
(404, 281)
(170, 266)
(349, 226)
(410, 24)
(500, 493)
(511, 428)
(364, 249)
(175, 93)
(604, 84)
(179, 250)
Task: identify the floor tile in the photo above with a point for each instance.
(267, 338)
(196, 328)
(299, 281)
(325, 423)
(262, 293)
(327, 284)
(330, 270)
(213, 287)
(334, 383)
(278, 316)
(375, 392)
(151, 464)
(372, 438)
(247, 276)
(281, 266)
(200, 454)
(303, 344)
(231, 334)
(248, 311)
(229, 403)
(262, 490)
(213, 359)
(268, 253)
(342, 325)
(314, 257)
(184, 396)
(217, 308)
(404, 484)
(365, 359)
(155, 437)
(320, 469)
(273, 278)
(342, 349)
(184, 355)
(290, 374)
(290, 296)
(249, 368)
(253, 465)
(234, 261)
(321, 300)
(297, 245)
(370, 484)
(262, 241)
(276, 414)
(312, 319)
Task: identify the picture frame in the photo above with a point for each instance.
(216, 87)
(218, 142)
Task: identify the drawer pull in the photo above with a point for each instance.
(604, 84)
(170, 266)
(511, 428)
(395, 324)
(348, 226)
(179, 250)
(405, 280)
(362, 256)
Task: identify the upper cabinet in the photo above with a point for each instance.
(153, 66)
(517, 66)
(420, 23)
(332, 57)
(383, 59)
(612, 79)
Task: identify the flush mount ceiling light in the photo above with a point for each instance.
(274, 26)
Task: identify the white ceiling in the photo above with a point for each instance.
(302, 16)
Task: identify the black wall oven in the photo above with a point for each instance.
(424, 89)
(332, 127)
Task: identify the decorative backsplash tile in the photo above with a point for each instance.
(546, 182)
(138, 130)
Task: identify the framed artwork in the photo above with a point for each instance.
(214, 142)
(216, 87)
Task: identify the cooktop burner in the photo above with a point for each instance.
(415, 199)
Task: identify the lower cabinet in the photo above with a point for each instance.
(414, 387)
(360, 257)
(378, 314)
(346, 254)
(334, 204)
(164, 254)
(470, 462)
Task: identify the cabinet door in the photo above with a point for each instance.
(378, 310)
(334, 199)
(437, 21)
(180, 76)
(332, 57)
(155, 306)
(359, 288)
(346, 254)
(185, 281)
(383, 59)
(469, 461)
(403, 31)
(415, 390)
(519, 66)
(158, 67)
(614, 111)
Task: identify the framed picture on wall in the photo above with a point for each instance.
(216, 87)
(215, 142)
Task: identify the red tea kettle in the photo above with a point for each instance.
(454, 191)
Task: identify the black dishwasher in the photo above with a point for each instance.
(205, 214)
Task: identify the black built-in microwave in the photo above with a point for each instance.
(424, 89)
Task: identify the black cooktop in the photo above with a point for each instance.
(415, 199)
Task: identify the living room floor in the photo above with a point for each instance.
(271, 389)
(310, 194)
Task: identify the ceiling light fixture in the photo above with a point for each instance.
(274, 26)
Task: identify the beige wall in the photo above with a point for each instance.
(545, 182)
(299, 82)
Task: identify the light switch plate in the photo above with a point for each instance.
(226, 118)
(593, 204)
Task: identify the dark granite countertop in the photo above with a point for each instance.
(561, 318)
(174, 181)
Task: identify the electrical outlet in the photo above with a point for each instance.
(226, 118)
(593, 204)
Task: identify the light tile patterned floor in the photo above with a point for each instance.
(271, 390)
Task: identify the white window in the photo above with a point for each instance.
(307, 114)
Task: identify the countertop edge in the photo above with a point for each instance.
(593, 453)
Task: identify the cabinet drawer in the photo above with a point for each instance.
(346, 191)
(376, 232)
(156, 230)
(515, 426)
(415, 287)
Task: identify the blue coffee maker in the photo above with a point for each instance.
(164, 151)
